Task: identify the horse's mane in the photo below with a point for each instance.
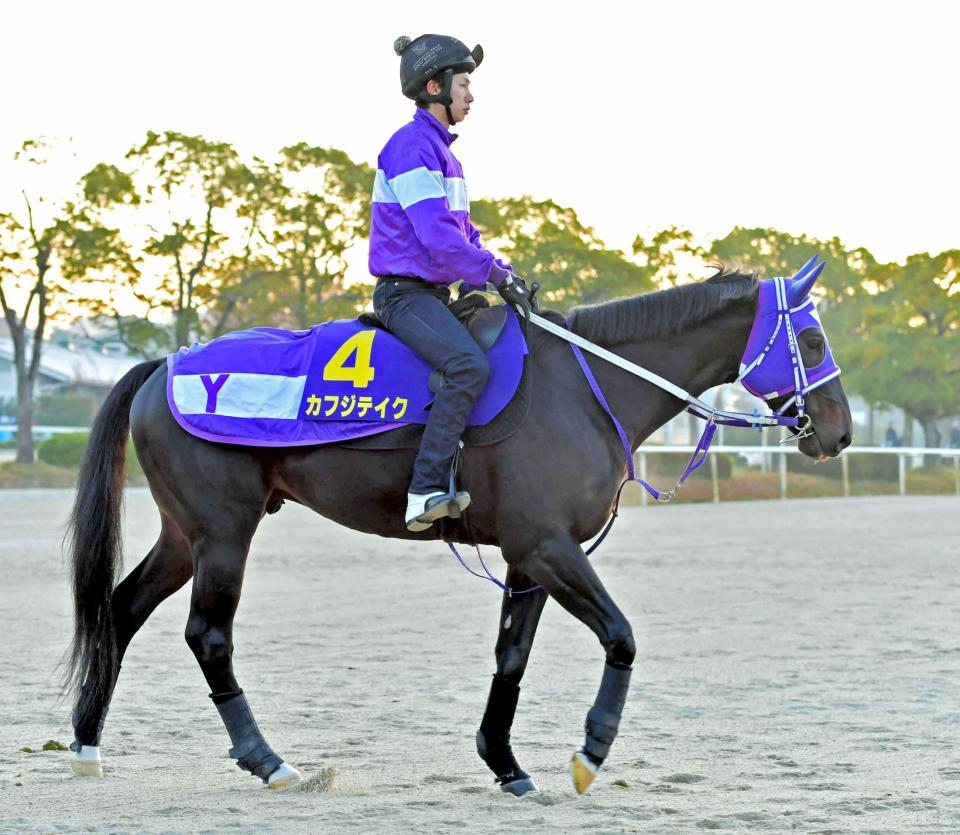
(664, 313)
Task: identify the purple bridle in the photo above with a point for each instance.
(771, 365)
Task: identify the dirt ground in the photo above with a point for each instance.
(798, 669)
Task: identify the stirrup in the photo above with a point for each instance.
(423, 511)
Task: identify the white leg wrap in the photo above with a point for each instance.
(86, 762)
(285, 777)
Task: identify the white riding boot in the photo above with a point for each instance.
(424, 509)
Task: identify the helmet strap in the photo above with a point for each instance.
(444, 97)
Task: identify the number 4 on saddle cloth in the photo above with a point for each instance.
(336, 382)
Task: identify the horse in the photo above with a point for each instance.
(537, 495)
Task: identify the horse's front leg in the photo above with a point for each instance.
(561, 567)
(519, 616)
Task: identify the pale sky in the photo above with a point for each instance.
(827, 118)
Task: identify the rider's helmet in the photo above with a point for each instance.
(427, 56)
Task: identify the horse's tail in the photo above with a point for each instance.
(94, 539)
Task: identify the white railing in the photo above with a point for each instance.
(903, 453)
(761, 451)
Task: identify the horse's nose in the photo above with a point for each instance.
(844, 442)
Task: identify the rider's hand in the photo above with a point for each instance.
(515, 292)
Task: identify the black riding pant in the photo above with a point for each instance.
(417, 314)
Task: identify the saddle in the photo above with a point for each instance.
(483, 322)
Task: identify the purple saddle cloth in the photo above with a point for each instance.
(335, 382)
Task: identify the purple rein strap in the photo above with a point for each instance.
(696, 460)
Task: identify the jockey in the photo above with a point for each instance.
(421, 241)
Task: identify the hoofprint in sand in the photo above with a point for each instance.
(784, 681)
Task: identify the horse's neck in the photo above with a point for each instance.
(700, 358)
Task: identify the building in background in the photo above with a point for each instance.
(71, 365)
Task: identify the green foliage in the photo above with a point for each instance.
(194, 182)
(860, 468)
(17, 476)
(660, 253)
(64, 450)
(106, 186)
(771, 252)
(906, 350)
(238, 242)
(546, 242)
(73, 255)
(89, 251)
(141, 336)
(668, 467)
(314, 206)
(66, 409)
(133, 469)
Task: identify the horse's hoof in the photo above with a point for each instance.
(519, 788)
(582, 770)
(86, 762)
(285, 777)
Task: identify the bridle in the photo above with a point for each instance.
(774, 339)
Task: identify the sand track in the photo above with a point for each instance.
(784, 681)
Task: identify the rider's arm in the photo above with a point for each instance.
(475, 240)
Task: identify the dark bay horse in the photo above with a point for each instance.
(537, 495)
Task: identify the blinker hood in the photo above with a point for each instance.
(771, 365)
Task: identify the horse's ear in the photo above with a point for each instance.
(801, 284)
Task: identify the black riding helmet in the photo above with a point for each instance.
(429, 55)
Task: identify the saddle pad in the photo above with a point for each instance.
(335, 382)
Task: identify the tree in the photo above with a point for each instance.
(906, 350)
(187, 184)
(546, 242)
(24, 268)
(42, 260)
(772, 252)
(310, 208)
(660, 253)
(234, 299)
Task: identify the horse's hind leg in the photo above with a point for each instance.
(219, 566)
(164, 570)
(519, 616)
(563, 570)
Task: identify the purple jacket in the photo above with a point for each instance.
(420, 224)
